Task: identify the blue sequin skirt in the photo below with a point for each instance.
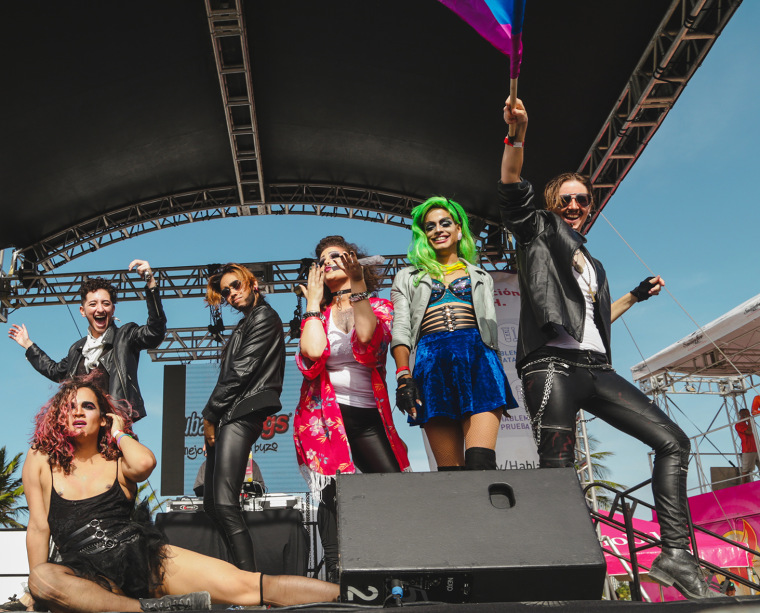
(458, 375)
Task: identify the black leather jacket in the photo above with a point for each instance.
(549, 294)
(120, 362)
(252, 369)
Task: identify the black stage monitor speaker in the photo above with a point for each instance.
(471, 536)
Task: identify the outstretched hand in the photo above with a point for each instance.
(20, 335)
(651, 286)
(349, 263)
(144, 270)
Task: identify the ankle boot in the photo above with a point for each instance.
(186, 602)
(677, 567)
(480, 458)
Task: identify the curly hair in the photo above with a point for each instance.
(551, 191)
(371, 278)
(93, 284)
(421, 253)
(51, 432)
(214, 287)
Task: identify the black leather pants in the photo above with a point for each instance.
(371, 453)
(607, 395)
(225, 471)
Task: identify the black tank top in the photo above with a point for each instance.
(78, 524)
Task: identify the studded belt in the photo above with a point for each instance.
(97, 539)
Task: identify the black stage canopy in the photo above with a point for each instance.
(108, 104)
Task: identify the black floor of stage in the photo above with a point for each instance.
(742, 604)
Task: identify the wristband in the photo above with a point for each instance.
(517, 144)
(116, 434)
(400, 372)
(118, 440)
(312, 314)
(358, 297)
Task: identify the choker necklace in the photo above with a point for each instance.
(450, 268)
(340, 293)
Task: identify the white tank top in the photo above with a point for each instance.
(351, 381)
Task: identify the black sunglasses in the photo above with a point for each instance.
(583, 200)
(236, 285)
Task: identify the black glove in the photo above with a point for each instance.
(407, 395)
(641, 293)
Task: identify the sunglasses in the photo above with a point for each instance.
(583, 200)
(236, 285)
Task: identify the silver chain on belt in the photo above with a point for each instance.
(535, 422)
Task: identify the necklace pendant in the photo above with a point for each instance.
(592, 293)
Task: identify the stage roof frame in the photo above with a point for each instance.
(337, 106)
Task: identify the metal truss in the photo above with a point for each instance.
(679, 46)
(191, 344)
(678, 383)
(230, 43)
(325, 200)
(26, 290)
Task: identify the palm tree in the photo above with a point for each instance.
(601, 472)
(154, 504)
(11, 491)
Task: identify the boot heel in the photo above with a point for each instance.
(663, 578)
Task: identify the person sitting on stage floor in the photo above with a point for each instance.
(246, 393)
(445, 309)
(343, 420)
(749, 447)
(111, 351)
(563, 348)
(80, 480)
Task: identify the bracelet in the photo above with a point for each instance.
(402, 371)
(358, 297)
(312, 314)
(118, 440)
(514, 143)
(116, 434)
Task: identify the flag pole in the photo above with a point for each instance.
(512, 103)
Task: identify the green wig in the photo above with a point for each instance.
(421, 254)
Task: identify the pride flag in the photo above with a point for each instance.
(500, 22)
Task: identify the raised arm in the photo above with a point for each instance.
(365, 321)
(649, 287)
(137, 462)
(313, 337)
(512, 159)
(38, 530)
(153, 332)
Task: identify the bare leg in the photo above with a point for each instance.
(187, 571)
(446, 441)
(59, 589)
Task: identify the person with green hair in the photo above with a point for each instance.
(444, 312)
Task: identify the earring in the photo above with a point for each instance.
(459, 236)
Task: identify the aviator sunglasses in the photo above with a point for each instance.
(583, 200)
(236, 285)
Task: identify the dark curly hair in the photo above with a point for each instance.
(551, 191)
(93, 284)
(371, 278)
(51, 433)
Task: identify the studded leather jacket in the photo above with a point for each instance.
(121, 357)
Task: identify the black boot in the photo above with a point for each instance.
(327, 522)
(480, 458)
(194, 601)
(677, 567)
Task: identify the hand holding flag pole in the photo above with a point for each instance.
(500, 22)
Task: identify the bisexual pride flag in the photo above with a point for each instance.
(500, 22)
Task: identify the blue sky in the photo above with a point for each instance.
(689, 207)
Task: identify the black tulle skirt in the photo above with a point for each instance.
(134, 566)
